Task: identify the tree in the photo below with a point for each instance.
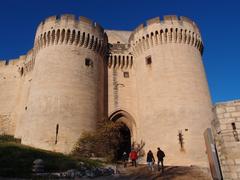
(103, 142)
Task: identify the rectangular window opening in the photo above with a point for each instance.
(126, 74)
(88, 62)
(148, 60)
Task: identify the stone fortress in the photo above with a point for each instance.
(152, 79)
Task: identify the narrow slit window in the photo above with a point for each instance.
(57, 129)
(234, 126)
(148, 60)
(22, 71)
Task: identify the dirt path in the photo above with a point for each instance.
(171, 173)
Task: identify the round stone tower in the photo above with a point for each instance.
(174, 104)
(66, 95)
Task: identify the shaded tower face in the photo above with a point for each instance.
(174, 106)
(66, 96)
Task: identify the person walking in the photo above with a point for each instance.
(160, 156)
(125, 159)
(150, 160)
(133, 156)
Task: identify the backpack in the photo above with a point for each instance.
(163, 154)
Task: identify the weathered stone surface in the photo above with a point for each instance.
(227, 115)
(228, 140)
(231, 109)
(235, 114)
(220, 111)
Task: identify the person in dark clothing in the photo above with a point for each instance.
(160, 156)
(150, 160)
(125, 159)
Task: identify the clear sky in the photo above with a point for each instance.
(219, 22)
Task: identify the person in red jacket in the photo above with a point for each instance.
(133, 156)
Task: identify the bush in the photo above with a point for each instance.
(8, 138)
(103, 142)
(85, 145)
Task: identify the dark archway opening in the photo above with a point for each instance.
(125, 142)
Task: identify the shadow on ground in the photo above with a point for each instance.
(171, 172)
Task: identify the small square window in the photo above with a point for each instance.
(148, 60)
(126, 74)
(88, 62)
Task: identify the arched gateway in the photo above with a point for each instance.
(127, 131)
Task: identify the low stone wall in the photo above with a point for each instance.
(226, 130)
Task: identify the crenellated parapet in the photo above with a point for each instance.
(24, 64)
(169, 30)
(120, 56)
(70, 30)
(10, 62)
(28, 64)
(120, 61)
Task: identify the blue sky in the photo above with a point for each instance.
(218, 20)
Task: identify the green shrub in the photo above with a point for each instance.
(104, 142)
(8, 138)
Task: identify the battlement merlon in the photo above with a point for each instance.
(169, 21)
(68, 21)
(24, 62)
(69, 30)
(170, 29)
(12, 62)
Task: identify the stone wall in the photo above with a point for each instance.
(226, 128)
(10, 84)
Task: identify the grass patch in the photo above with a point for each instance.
(8, 138)
(16, 160)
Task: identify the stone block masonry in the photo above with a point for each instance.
(226, 128)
